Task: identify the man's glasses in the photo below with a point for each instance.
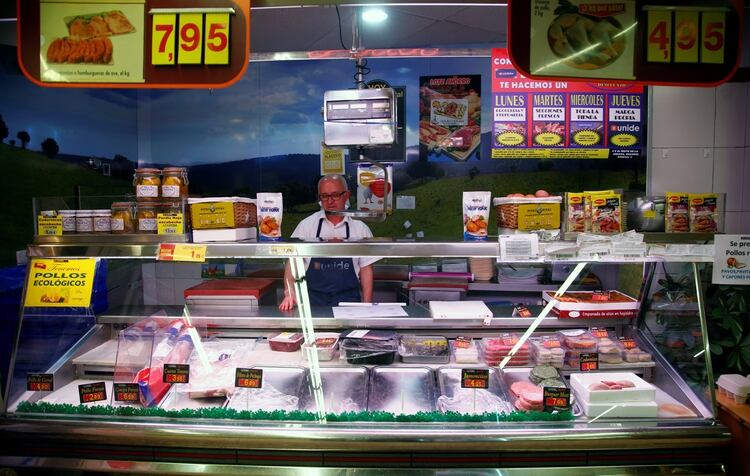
(328, 196)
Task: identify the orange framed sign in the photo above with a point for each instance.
(134, 43)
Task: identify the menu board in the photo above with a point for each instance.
(450, 110)
(134, 43)
(563, 120)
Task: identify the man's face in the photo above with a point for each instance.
(333, 196)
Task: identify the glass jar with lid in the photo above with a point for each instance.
(84, 221)
(147, 182)
(102, 221)
(146, 216)
(122, 218)
(174, 183)
(68, 221)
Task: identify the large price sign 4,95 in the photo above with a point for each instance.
(689, 35)
(190, 36)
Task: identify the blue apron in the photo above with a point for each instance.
(332, 280)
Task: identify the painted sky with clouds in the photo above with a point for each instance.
(273, 110)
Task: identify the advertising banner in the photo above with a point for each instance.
(450, 109)
(731, 259)
(560, 119)
(60, 283)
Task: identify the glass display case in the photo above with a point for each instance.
(592, 362)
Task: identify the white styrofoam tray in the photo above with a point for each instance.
(620, 410)
(642, 392)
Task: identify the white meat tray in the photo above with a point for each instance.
(620, 410)
(642, 392)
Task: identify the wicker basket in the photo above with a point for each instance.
(507, 211)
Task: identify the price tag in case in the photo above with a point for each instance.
(162, 39)
(126, 392)
(475, 378)
(40, 382)
(248, 378)
(181, 252)
(176, 373)
(556, 399)
(92, 392)
(589, 361)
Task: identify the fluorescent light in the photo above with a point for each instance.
(374, 15)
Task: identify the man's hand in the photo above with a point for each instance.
(287, 304)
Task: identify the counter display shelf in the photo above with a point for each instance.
(332, 414)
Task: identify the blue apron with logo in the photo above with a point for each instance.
(332, 280)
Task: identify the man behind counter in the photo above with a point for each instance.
(332, 280)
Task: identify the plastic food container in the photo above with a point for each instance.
(578, 339)
(326, 343)
(286, 341)
(609, 351)
(631, 352)
(465, 350)
(424, 349)
(361, 347)
(495, 349)
(734, 386)
(548, 350)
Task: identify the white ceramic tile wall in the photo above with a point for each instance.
(165, 291)
(681, 169)
(148, 270)
(164, 270)
(745, 222)
(683, 117)
(731, 111)
(728, 175)
(186, 270)
(149, 292)
(734, 222)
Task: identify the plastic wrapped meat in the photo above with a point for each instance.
(496, 349)
(217, 379)
(150, 380)
(467, 400)
(465, 351)
(266, 398)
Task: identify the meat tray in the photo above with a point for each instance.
(584, 304)
(281, 390)
(178, 399)
(401, 390)
(344, 390)
(449, 384)
(512, 375)
(642, 391)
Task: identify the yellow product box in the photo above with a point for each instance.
(212, 213)
(49, 226)
(539, 216)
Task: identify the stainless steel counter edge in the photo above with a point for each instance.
(385, 249)
(363, 437)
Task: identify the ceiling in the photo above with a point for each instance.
(289, 28)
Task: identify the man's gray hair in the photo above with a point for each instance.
(333, 178)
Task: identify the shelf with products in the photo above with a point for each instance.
(82, 363)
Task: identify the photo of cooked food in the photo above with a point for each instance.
(76, 50)
(99, 24)
(585, 41)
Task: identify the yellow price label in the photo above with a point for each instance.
(60, 282)
(659, 49)
(181, 252)
(686, 37)
(163, 39)
(49, 226)
(169, 223)
(190, 38)
(713, 33)
(217, 38)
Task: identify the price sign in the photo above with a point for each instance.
(163, 39)
(522, 311)
(92, 392)
(126, 392)
(40, 382)
(589, 361)
(628, 342)
(60, 283)
(169, 223)
(475, 378)
(248, 378)
(556, 399)
(699, 35)
(181, 252)
(176, 373)
(190, 38)
(217, 38)
(49, 226)
(599, 332)
(462, 342)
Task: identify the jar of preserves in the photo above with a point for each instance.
(102, 221)
(84, 221)
(122, 218)
(68, 221)
(147, 183)
(174, 183)
(146, 216)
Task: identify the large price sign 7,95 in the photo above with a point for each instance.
(190, 36)
(686, 35)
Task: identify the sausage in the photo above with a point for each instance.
(107, 50)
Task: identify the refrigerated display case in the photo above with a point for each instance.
(360, 411)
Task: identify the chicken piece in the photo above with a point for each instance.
(98, 26)
(107, 50)
(118, 23)
(626, 383)
(598, 386)
(80, 29)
